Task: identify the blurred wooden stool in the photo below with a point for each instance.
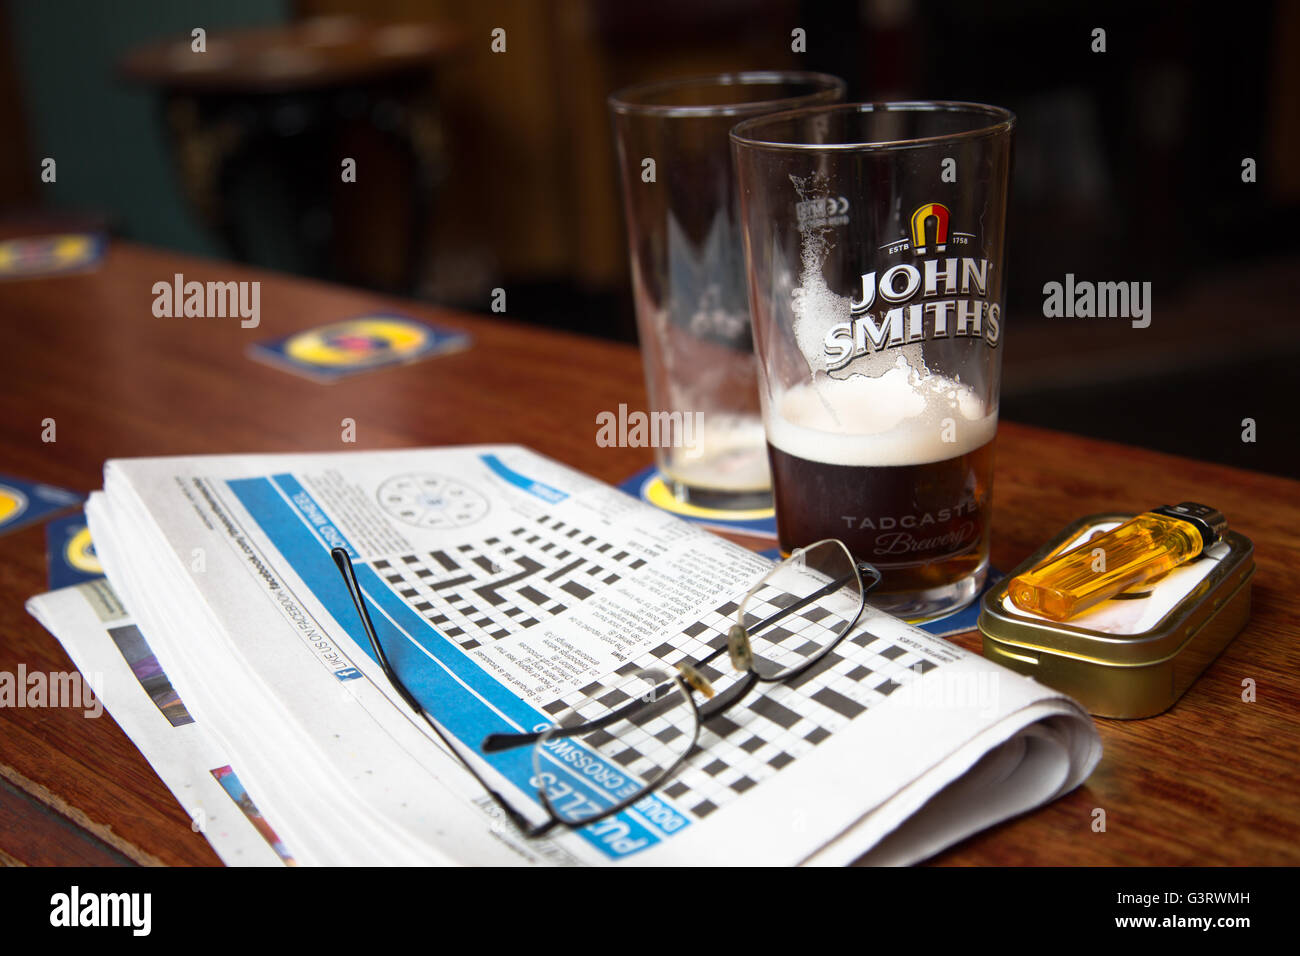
(262, 121)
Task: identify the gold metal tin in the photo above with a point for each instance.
(1131, 675)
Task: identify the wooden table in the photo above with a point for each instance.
(1214, 780)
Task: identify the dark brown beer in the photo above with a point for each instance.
(899, 467)
(925, 526)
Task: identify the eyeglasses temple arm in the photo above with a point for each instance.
(343, 561)
(494, 743)
(829, 588)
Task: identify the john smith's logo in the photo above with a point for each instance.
(920, 299)
(928, 231)
(939, 213)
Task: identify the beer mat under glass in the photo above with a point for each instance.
(654, 488)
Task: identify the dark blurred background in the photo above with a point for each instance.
(485, 170)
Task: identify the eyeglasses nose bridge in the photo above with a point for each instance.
(738, 647)
(695, 679)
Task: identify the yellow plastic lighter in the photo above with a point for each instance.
(1141, 548)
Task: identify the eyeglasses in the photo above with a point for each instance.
(613, 744)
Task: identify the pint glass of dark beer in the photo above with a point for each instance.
(874, 252)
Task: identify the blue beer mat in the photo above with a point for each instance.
(23, 502)
(69, 553)
(360, 344)
(649, 486)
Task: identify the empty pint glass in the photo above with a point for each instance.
(874, 246)
(688, 274)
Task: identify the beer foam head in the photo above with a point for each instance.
(905, 416)
(815, 310)
(889, 409)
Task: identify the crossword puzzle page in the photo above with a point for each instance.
(511, 593)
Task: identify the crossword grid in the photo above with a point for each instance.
(490, 590)
(776, 723)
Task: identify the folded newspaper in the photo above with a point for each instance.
(226, 645)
